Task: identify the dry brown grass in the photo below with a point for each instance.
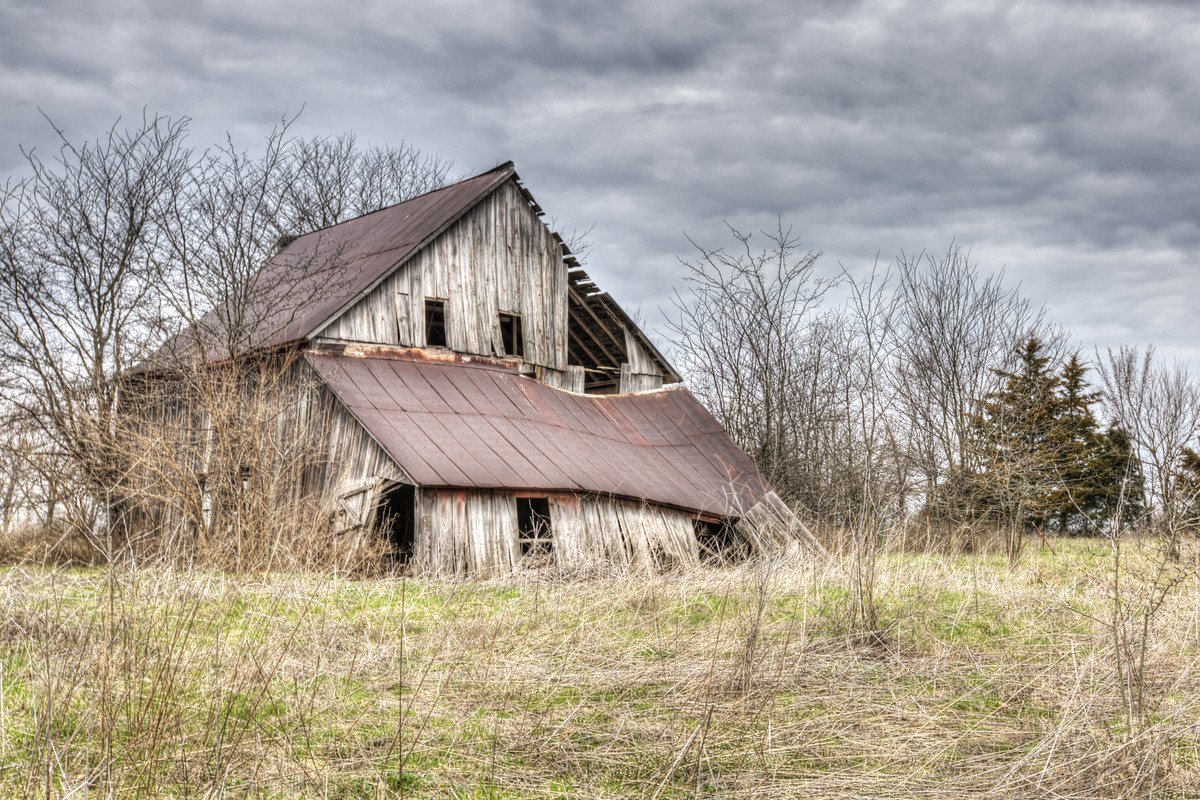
(61, 545)
(739, 682)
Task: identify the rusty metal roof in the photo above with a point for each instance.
(320, 274)
(463, 422)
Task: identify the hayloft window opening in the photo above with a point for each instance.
(512, 337)
(533, 526)
(601, 381)
(435, 322)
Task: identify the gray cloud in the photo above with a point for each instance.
(1059, 140)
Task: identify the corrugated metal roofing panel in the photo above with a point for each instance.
(459, 422)
(324, 272)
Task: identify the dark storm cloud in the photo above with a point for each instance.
(1059, 140)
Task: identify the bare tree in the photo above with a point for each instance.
(874, 478)
(77, 302)
(329, 180)
(1159, 407)
(957, 327)
(240, 211)
(236, 282)
(115, 243)
(750, 342)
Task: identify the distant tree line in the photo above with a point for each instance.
(931, 388)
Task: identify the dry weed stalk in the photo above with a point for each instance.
(230, 463)
(745, 681)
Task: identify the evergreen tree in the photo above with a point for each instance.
(1188, 486)
(1114, 486)
(1078, 501)
(1046, 461)
(1017, 434)
(1099, 476)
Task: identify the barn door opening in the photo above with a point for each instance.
(720, 542)
(533, 529)
(397, 515)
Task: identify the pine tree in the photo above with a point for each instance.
(1017, 433)
(1115, 490)
(1047, 463)
(1188, 486)
(1077, 501)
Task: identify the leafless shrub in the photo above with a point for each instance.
(230, 463)
(117, 243)
(1159, 407)
(748, 337)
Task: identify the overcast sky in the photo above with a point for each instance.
(1057, 140)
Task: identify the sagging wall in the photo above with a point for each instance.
(500, 257)
(461, 532)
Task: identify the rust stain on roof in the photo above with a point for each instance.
(457, 422)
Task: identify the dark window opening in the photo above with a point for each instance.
(512, 338)
(601, 381)
(533, 527)
(397, 518)
(720, 542)
(435, 323)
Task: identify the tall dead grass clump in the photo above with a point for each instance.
(231, 465)
(57, 544)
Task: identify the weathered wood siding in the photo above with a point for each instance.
(356, 468)
(639, 373)
(618, 534)
(572, 380)
(500, 257)
(462, 532)
(294, 439)
(475, 533)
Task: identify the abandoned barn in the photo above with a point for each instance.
(476, 398)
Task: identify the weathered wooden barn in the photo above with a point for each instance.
(486, 406)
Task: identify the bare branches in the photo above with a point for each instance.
(116, 243)
(958, 327)
(330, 180)
(77, 302)
(752, 347)
(1159, 407)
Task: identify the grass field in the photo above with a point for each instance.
(738, 682)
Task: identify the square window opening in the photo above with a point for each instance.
(512, 338)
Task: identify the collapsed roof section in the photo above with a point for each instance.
(597, 329)
(463, 422)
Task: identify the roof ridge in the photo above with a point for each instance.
(507, 165)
